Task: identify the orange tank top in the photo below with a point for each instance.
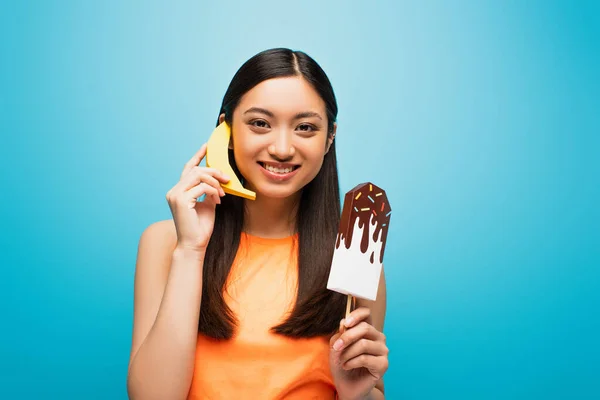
(256, 363)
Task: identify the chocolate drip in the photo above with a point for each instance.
(369, 204)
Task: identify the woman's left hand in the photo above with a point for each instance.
(358, 356)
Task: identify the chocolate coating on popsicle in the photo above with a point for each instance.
(367, 203)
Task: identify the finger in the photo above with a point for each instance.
(193, 194)
(351, 335)
(195, 160)
(335, 337)
(193, 181)
(364, 346)
(196, 171)
(358, 315)
(377, 365)
(218, 174)
(195, 176)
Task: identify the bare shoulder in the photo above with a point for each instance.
(155, 250)
(163, 232)
(156, 246)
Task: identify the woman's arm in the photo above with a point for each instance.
(168, 291)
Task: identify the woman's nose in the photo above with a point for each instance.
(282, 147)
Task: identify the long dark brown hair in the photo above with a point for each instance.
(317, 310)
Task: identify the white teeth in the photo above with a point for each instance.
(278, 170)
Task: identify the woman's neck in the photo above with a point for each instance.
(271, 218)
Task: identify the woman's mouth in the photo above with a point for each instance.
(279, 172)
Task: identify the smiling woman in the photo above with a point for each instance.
(231, 295)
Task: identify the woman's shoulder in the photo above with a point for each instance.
(163, 230)
(155, 251)
(160, 235)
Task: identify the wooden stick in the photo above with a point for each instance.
(348, 310)
(349, 305)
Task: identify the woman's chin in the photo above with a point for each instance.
(276, 195)
(265, 191)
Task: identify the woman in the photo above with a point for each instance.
(230, 295)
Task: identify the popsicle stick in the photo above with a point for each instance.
(349, 304)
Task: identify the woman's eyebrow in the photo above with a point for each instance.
(305, 114)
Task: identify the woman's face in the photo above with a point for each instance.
(279, 136)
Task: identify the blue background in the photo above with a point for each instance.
(484, 114)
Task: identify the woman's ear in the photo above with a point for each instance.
(331, 137)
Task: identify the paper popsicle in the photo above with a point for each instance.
(360, 244)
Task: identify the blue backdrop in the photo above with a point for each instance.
(479, 119)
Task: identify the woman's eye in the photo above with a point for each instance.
(310, 128)
(257, 123)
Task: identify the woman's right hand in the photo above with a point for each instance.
(194, 221)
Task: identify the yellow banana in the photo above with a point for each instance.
(217, 156)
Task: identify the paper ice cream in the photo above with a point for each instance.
(360, 243)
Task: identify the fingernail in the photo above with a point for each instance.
(338, 344)
(349, 321)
